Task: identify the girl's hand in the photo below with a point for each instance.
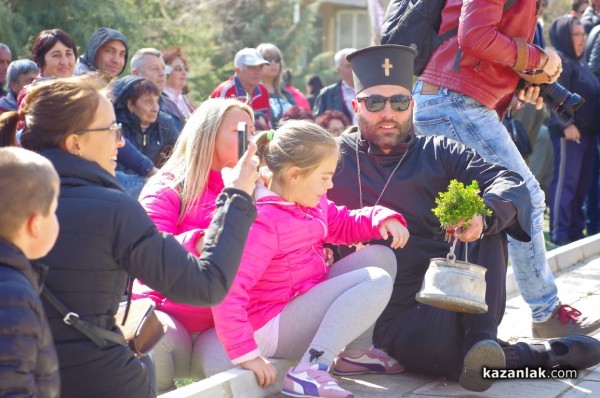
(473, 232)
(265, 372)
(328, 253)
(399, 233)
(245, 173)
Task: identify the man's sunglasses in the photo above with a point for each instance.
(376, 103)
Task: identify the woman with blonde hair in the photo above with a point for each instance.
(180, 200)
(280, 99)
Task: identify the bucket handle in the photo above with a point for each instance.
(451, 256)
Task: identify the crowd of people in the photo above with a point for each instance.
(312, 245)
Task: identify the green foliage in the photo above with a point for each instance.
(209, 32)
(459, 204)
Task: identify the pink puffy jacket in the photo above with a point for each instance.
(284, 258)
(163, 205)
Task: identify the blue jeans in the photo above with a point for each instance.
(132, 183)
(466, 120)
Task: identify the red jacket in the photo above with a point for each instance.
(259, 100)
(485, 37)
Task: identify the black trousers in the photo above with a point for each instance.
(434, 341)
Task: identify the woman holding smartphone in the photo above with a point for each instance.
(180, 200)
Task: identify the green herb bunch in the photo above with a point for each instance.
(459, 203)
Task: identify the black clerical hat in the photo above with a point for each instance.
(384, 64)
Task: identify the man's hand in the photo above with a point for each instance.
(265, 372)
(399, 233)
(553, 67)
(531, 95)
(473, 232)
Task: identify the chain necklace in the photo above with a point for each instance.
(386, 183)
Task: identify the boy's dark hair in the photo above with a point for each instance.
(28, 185)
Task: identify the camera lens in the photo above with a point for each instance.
(561, 101)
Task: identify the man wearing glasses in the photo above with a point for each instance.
(384, 162)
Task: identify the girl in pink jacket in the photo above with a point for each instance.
(285, 297)
(181, 201)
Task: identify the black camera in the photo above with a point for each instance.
(560, 100)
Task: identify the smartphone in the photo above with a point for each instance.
(242, 130)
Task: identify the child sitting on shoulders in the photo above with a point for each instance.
(286, 302)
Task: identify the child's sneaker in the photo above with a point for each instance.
(307, 380)
(373, 360)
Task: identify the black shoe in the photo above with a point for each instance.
(486, 353)
(576, 351)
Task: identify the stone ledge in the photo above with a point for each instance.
(233, 383)
(562, 258)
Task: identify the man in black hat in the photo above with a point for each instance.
(384, 162)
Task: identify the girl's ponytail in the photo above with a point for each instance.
(8, 128)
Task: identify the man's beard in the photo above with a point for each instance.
(369, 132)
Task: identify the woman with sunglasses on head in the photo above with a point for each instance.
(151, 131)
(280, 100)
(176, 87)
(106, 238)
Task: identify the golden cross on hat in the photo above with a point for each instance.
(387, 66)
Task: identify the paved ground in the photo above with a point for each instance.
(578, 285)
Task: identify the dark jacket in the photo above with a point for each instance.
(159, 134)
(130, 158)
(425, 338)
(170, 108)
(575, 77)
(8, 103)
(28, 362)
(331, 97)
(87, 62)
(105, 237)
(592, 51)
(486, 38)
(589, 19)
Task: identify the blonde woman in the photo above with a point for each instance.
(280, 100)
(181, 200)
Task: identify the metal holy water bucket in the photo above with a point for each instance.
(454, 285)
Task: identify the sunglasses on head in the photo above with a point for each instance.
(376, 103)
(272, 60)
